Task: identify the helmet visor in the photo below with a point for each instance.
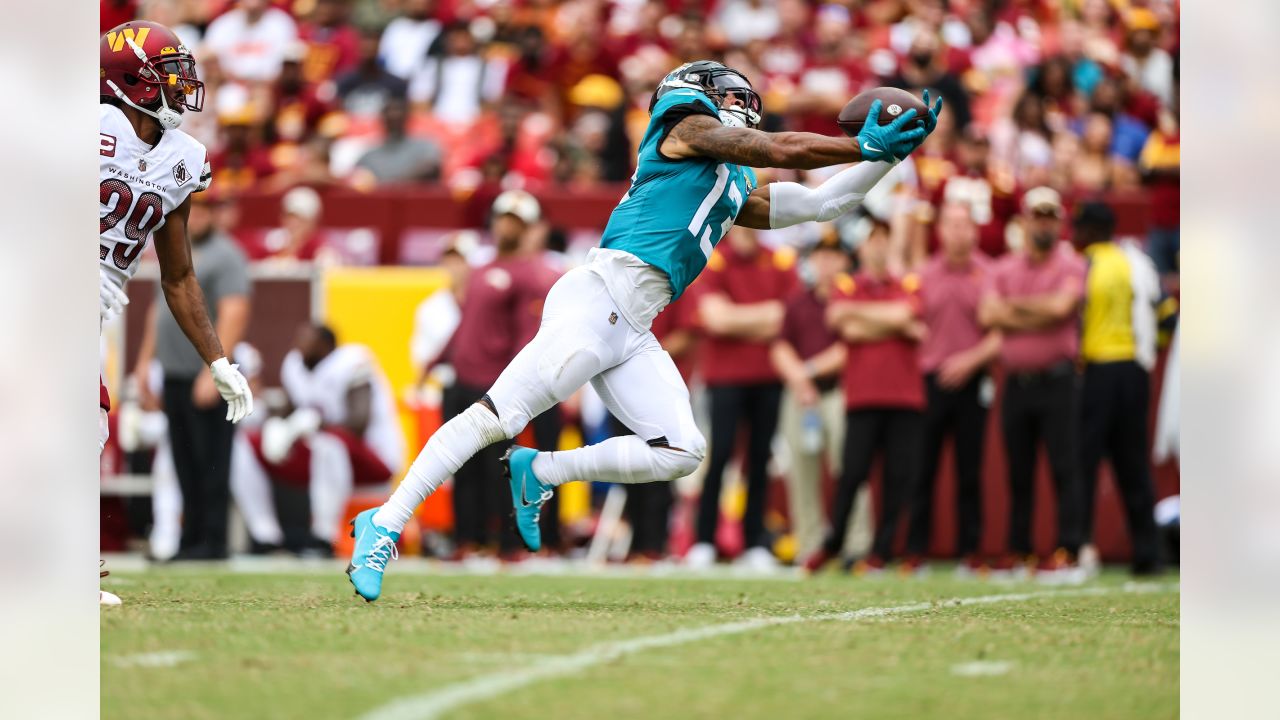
(178, 75)
(729, 84)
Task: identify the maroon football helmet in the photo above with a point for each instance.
(146, 66)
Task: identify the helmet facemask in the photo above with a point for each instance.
(739, 105)
(178, 86)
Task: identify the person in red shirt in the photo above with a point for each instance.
(954, 357)
(740, 304)
(878, 318)
(501, 311)
(1034, 298)
(809, 357)
(333, 44)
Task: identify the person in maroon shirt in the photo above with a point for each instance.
(809, 356)
(1034, 298)
(333, 43)
(955, 356)
(878, 318)
(502, 309)
(740, 303)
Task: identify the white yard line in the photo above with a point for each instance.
(435, 703)
(163, 658)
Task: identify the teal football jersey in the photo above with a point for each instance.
(677, 210)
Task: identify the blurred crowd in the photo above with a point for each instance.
(1078, 95)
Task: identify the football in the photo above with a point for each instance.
(895, 101)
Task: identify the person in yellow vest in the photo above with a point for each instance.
(1118, 349)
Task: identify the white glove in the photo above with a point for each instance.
(233, 388)
(277, 440)
(111, 299)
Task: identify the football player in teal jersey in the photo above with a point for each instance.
(693, 181)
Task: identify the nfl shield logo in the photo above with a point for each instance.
(142, 165)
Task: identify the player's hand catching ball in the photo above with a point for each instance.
(891, 142)
(234, 388)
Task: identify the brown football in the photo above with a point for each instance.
(895, 101)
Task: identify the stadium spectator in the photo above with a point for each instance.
(1128, 133)
(745, 21)
(1033, 299)
(991, 194)
(878, 318)
(502, 310)
(1145, 62)
(740, 306)
(299, 238)
(250, 40)
(241, 162)
(199, 435)
(400, 158)
(1160, 165)
(339, 429)
(365, 89)
(407, 38)
(925, 67)
(1021, 142)
(808, 357)
(333, 44)
(298, 105)
(456, 82)
(1118, 346)
(955, 356)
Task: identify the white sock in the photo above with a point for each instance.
(625, 459)
(452, 445)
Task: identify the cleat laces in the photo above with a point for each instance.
(383, 551)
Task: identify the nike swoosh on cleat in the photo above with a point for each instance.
(524, 499)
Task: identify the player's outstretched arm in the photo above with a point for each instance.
(186, 302)
(705, 136)
(783, 204)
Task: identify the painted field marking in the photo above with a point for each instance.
(982, 668)
(163, 658)
(435, 703)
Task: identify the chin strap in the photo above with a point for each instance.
(168, 118)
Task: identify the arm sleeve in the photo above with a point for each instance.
(792, 203)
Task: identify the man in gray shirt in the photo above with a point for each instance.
(198, 434)
(400, 158)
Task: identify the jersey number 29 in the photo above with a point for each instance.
(142, 218)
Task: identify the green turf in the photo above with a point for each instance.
(301, 646)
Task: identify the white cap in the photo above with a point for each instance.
(303, 202)
(1042, 198)
(518, 203)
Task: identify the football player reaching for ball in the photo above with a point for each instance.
(692, 183)
(148, 170)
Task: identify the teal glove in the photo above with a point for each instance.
(890, 142)
(930, 122)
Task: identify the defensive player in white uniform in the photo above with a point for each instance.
(149, 169)
(343, 432)
(693, 182)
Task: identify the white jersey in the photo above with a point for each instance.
(324, 388)
(139, 186)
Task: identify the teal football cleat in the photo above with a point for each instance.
(374, 548)
(528, 494)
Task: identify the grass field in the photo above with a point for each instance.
(198, 644)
